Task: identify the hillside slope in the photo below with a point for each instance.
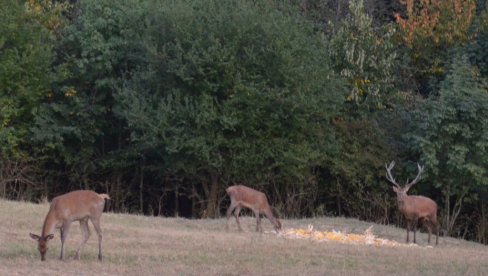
(138, 245)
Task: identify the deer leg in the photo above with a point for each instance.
(236, 214)
(428, 224)
(229, 213)
(96, 224)
(258, 222)
(415, 222)
(62, 243)
(437, 226)
(64, 233)
(408, 230)
(86, 235)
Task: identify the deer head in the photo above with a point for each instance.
(42, 244)
(396, 187)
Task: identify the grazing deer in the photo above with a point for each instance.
(242, 196)
(77, 205)
(415, 208)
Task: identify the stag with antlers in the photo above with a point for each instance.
(413, 207)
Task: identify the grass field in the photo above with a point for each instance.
(138, 245)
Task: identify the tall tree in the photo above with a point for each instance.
(27, 37)
(75, 126)
(429, 29)
(366, 57)
(451, 138)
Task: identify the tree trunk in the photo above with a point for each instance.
(177, 203)
(338, 13)
(211, 193)
(482, 231)
(117, 200)
(452, 214)
(141, 188)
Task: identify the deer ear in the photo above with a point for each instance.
(50, 236)
(34, 236)
(395, 189)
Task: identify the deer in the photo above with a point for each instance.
(414, 207)
(81, 205)
(245, 197)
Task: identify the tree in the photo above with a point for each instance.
(26, 75)
(357, 170)
(366, 57)
(26, 54)
(75, 126)
(451, 138)
(429, 29)
(476, 49)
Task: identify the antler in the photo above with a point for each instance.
(417, 178)
(388, 173)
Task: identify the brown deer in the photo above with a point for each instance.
(242, 196)
(79, 206)
(413, 207)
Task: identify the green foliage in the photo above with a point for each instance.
(451, 137)
(26, 55)
(367, 57)
(93, 52)
(75, 127)
(357, 170)
(453, 130)
(477, 47)
(227, 90)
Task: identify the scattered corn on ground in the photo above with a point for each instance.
(336, 236)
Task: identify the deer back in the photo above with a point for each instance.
(77, 204)
(249, 197)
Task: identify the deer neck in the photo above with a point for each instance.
(50, 224)
(402, 199)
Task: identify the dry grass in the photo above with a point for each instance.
(137, 245)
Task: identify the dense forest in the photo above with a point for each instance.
(164, 104)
